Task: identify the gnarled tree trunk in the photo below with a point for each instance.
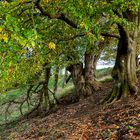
(84, 78)
(90, 82)
(78, 78)
(124, 71)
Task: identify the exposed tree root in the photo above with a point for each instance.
(36, 100)
(120, 91)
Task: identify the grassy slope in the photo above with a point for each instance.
(9, 96)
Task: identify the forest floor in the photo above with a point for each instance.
(84, 120)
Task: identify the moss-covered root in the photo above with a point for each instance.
(119, 90)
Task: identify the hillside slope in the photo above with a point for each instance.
(84, 120)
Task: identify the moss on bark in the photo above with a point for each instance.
(124, 71)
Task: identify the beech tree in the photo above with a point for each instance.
(34, 12)
(76, 32)
(124, 71)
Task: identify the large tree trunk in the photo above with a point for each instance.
(84, 78)
(124, 71)
(76, 71)
(90, 82)
(91, 59)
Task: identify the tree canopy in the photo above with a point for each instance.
(59, 32)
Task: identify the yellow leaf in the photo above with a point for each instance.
(45, 1)
(1, 37)
(0, 29)
(33, 44)
(102, 38)
(5, 3)
(82, 24)
(52, 45)
(89, 33)
(5, 38)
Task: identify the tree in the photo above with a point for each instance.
(124, 71)
(37, 8)
(69, 31)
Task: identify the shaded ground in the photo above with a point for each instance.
(85, 120)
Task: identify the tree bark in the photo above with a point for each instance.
(76, 71)
(47, 71)
(56, 76)
(124, 71)
(91, 59)
(84, 77)
(90, 82)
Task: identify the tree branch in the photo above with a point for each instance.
(84, 34)
(60, 16)
(110, 35)
(71, 38)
